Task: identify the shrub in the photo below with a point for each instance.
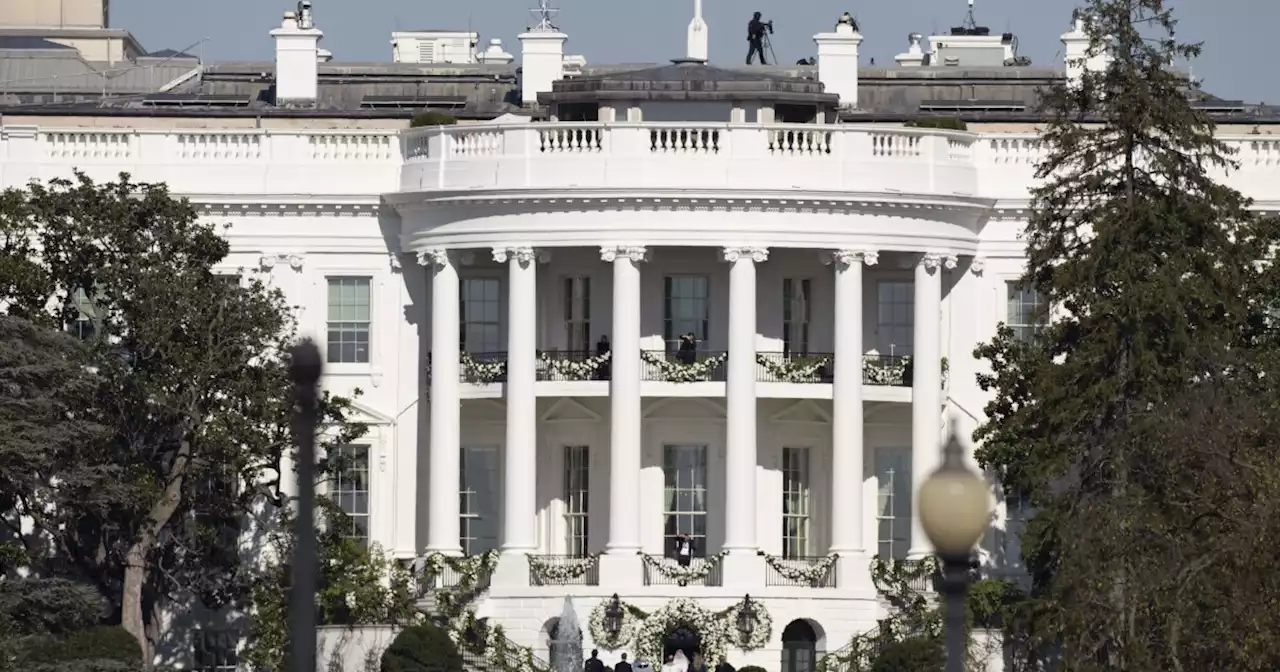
(753, 668)
(422, 648)
(940, 123)
(431, 118)
(917, 654)
(102, 647)
(48, 606)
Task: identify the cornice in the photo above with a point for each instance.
(267, 206)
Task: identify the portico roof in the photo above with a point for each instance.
(689, 80)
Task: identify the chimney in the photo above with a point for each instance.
(838, 60)
(495, 53)
(1075, 46)
(697, 45)
(297, 57)
(541, 62)
(914, 56)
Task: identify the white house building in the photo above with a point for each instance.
(510, 294)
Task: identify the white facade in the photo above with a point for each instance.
(851, 244)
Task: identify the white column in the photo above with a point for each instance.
(740, 398)
(847, 536)
(926, 384)
(624, 401)
(446, 422)
(520, 462)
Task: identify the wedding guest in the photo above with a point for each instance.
(623, 665)
(602, 349)
(688, 351)
(684, 550)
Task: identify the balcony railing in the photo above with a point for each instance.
(482, 368)
(893, 370)
(564, 570)
(781, 367)
(573, 365)
(446, 577)
(668, 367)
(661, 571)
(799, 572)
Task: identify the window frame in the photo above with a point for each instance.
(577, 313)
(670, 334)
(225, 653)
(1027, 319)
(789, 304)
(467, 515)
(577, 500)
(349, 326)
(888, 332)
(337, 490)
(898, 495)
(800, 546)
(491, 344)
(672, 514)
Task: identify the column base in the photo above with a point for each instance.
(452, 552)
(622, 570)
(512, 570)
(743, 569)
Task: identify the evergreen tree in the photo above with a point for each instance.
(1153, 268)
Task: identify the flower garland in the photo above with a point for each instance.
(798, 370)
(607, 640)
(682, 612)
(677, 372)
(572, 370)
(481, 373)
(876, 371)
(759, 638)
(808, 574)
(912, 613)
(696, 571)
(573, 568)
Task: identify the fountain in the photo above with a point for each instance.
(566, 641)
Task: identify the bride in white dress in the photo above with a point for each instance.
(679, 663)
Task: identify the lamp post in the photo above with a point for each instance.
(613, 616)
(747, 619)
(954, 506)
(304, 370)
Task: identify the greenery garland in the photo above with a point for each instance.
(572, 370)
(481, 373)
(672, 571)
(794, 370)
(809, 575)
(546, 572)
(646, 631)
(631, 620)
(678, 372)
(759, 638)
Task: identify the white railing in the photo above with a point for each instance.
(239, 162)
(688, 156)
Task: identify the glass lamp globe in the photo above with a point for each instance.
(954, 505)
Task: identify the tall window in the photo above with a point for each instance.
(1018, 512)
(893, 502)
(214, 651)
(686, 307)
(685, 496)
(795, 502)
(480, 500)
(577, 314)
(895, 319)
(82, 326)
(351, 490)
(577, 495)
(481, 315)
(1028, 312)
(796, 294)
(349, 320)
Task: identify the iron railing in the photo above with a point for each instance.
(790, 367)
(654, 577)
(537, 577)
(482, 368)
(573, 365)
(775, 578)
(661, 366)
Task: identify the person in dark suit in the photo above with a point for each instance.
(684, 550)
(688, 352)
(603, 348)
(623, 665)
(593, 663)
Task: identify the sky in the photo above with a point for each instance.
(1234, 32)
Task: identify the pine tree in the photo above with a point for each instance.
(1152, 267)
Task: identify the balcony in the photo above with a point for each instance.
(564, 570)
(817, 571)
(658, 366)
(662, 571)
(840, 158)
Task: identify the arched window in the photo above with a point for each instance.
(799, 647)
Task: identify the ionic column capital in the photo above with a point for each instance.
(612, 253)
(524, 255)
(932, 261)
(433, 258)
(977, 265)
(845, 258)
(757, 255)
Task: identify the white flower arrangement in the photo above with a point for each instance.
(877, 371)
(561, 572)
(481, 373)
(602, 637)
(471, 570)
(697, 571)
(677, 372)
(682, 612)
(796, 370)
(571, 370)
(809, 574)
(759, 638)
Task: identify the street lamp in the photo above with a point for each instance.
(305, 367)
(747, 618)
(613, 616)
(954, 508)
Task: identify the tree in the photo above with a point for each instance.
(188, 378)
(1154, 266)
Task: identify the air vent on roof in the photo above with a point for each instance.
(973, 106)
(412, 102)
(195, 100)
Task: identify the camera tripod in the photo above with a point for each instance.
(768, 48)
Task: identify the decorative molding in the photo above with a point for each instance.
(931, 261)
(847, 258)
(433, 258)
(950, 261)
(268, 206)
(611, 253)
(268, 261)
(393, 258)
(524, 256)
(758, 255)
(977, 265)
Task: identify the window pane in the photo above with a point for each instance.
(480, 487)
(349, 320)
(577, 476)
(481, 313)
(1027, 313)
(685, 497)
(795, 502)
(350, 489)
(686, 308)
(895, 313)
(893, 510)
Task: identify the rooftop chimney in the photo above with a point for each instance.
(297, 57)
(495, 53)
(914, 56)
(838, 60)
(541, 55)
(697, 49)
(1075, 46)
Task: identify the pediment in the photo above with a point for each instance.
(684, 408)
(568, 409)
(367, 415)
(804, 411)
